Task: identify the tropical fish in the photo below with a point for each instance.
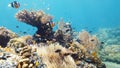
(37, 63)
(52, 24)
(14, 4)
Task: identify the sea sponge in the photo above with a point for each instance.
(5, 36)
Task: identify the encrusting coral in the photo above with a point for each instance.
(5, 36)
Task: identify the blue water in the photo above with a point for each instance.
(82, 14)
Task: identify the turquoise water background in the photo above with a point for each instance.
(82, 14)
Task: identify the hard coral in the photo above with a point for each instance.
(40, 20)
(20, 42)
(5, 36)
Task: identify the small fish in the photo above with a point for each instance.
(37, 63)
(14, 4)
(102, 42)
(52, 24)
(24, 32)
(17, 26)
(94, 54)
(58, 50)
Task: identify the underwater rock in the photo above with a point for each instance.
(41, 21)
(5, 36)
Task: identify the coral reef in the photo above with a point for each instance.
(49, 49)
(5, 36)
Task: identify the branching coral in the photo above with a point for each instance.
(40, 20)
(5, 36)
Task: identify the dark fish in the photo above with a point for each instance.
(58, 50)
(14, 4)
(17, 26)
(24, 32)
(90, 31)
(102, 42)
